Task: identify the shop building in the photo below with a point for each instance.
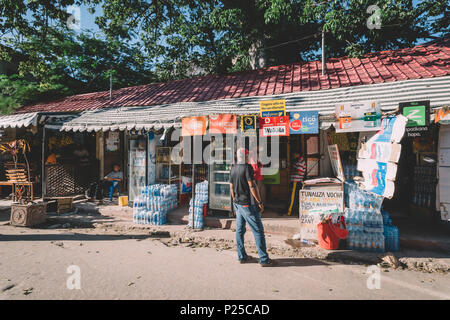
(133, 126)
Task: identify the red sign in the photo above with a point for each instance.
(222, 123)
(193, 126)
(295, 125)
(274, 126)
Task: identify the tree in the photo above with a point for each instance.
(220, 36)
(55, 60)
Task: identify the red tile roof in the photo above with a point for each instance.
(424, 61)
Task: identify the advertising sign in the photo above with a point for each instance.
(316, 205)
(248, 125)
(112, 141)
(358, 116)
(304, 122)
(442, 115)
(272, 108)
(193, 126)
(418, 114)
(274, 126)
(336, 163)
(222, 123)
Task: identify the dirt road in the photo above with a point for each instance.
(51, 264)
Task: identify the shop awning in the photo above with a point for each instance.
(19, 120)
(130, 118)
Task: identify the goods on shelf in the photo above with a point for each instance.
(59, 142)
(424, 186)
(363, 218)
(153, 204)
(201, 198)
(350, 171)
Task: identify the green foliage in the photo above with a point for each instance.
(158, 40)
(15, 91)
(51, 58)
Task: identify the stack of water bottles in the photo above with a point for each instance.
(390, 233)
(201, 198)
(350, 171)
(364, 220)
(153, 204)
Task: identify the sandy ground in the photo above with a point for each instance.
(34, 265)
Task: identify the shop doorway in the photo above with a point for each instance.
(65, 156)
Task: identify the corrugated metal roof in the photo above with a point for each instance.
(19, 120)
(427, 61)
(437, 90)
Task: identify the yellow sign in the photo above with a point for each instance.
(272, 108)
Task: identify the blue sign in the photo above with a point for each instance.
(266, 114)
(303, 122)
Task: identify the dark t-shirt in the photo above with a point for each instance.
(240, 175)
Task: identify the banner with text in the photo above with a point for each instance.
(274, 126)
(315, 205)
(222, 123)
(358, 116)
(193, 126)
(272, 108)
(248, 125)
(304, 122)
(418, 114)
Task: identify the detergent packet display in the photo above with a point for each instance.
(378, 176)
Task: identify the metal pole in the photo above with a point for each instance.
(323, 52)
(110, 84)
(193, 184)
(43, 163)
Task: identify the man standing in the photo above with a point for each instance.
(298, 172)
(246, 202)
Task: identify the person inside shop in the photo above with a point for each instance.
(81, 154)
(52, 157)
(259, 179)
(248, 208)
(298, 171)
(114, 178)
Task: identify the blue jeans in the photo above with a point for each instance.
(113, 185)
(250, 214)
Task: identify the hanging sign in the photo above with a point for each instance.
(336, 163)
(248, 125)
(442, 115)
(222, 123)
(358, 116)
(274, 126)
(272, 108)
(193, 126)
(112, 141)
(418, 114)
(303, 122)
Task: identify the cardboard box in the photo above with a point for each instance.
(380, 151)
(123, 201)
